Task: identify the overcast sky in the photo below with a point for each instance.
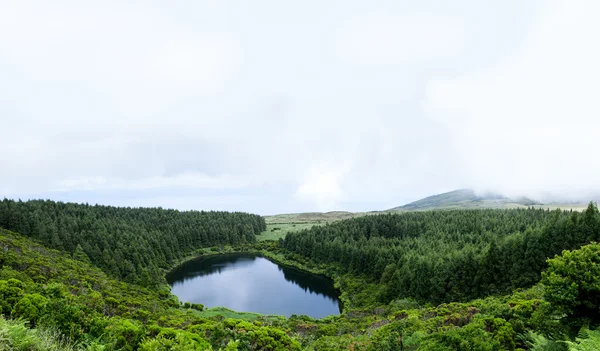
(280, 106)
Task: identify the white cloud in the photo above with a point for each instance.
(412, 37)
(280, 108)
(132, 61)
(188, 180)
(202, 63)
(529, 125)
(321, 187)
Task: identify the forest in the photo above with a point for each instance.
(443, 256)
(132, 244)
(81, 277)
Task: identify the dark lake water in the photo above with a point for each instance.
(251, 283)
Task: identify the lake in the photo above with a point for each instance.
(251, 283)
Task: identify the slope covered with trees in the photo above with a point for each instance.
(133, 244)
(443, 256)
(446, 280)
(78, 306)
(49, 301)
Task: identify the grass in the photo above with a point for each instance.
(227, 313)
(14, 335)
(276, 231)
(312, 217)
(279, 225)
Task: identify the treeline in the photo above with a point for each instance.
(442, 256)
(132, 244)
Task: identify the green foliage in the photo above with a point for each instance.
(10, 292)
(587, 340)
(538, 342)
(30, 307)
(572, 284)
(14, 335)
(388, 268)
(80, 255)
(197, 306)
(232, 345)
(124, 334)
(441, 256)
(80, 303)
(228, 313)
(132, 244)
(175, 341)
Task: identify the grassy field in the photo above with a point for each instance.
(312, 217)
(279, 230)
(227, 313)
(279, 225)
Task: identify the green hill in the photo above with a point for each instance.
(465, 199)
(277, 226)
(392, 270)
(74, 306)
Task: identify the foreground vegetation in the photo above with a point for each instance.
(92, 310)
(61, 300)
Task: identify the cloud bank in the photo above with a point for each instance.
(274, 107)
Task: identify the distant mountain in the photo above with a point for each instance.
(457, 199)
(465, 199)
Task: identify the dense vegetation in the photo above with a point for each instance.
(133, 244)
(72, 300)
(443, 256)
(58, 300)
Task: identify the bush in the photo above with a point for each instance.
(572, 285)
(124, 334)
(30, 307)
(198, 306)
(175, 340)
(10, 292)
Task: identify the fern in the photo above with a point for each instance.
(14, 335)
(587, 340)
(537, 342)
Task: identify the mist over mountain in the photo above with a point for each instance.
(473, 199)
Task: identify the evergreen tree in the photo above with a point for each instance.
(80, 255)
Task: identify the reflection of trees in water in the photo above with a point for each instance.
(204, 266)
(312, 283)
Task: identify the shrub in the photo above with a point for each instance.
(30, 307)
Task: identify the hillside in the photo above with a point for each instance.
(132, 244)
(469, 199)
(457, 199)
(75, 303)
(49, 301)
(424, 280)
(277, 226)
